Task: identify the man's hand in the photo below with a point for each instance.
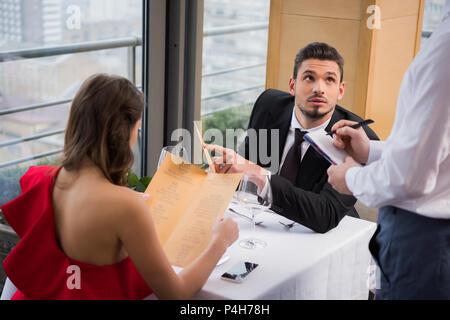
(336, 175)
(232, 162)
(354, 141)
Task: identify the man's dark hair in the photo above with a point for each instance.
(319, 51)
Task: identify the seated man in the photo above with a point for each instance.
(299, 191)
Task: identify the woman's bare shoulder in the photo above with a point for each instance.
(127, 203)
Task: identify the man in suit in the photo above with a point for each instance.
(299, 189)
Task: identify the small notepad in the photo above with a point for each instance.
(323, 144)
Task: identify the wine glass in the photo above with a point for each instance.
(177, 150)
(248, 194)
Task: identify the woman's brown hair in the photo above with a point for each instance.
(103, 113)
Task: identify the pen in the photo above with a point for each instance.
(355, 126)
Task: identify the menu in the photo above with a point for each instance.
(184, 202)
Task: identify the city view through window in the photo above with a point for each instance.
(234, 62)
(28, 136)
(431, 17)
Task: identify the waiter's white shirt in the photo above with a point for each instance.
(411, 169)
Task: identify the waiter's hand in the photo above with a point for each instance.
(232, 162)
(354, 141)
(336, 175)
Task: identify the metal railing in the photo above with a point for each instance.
(131, 43)
(235, 29)
(228, 93)
(30, 138)
(225, 71)
(216, 31)
(15, 55)
(34, 106)
(231, 30)
(30, 158)
(41, 52)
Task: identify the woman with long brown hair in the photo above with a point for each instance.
(84, 234)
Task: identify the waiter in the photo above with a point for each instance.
(408, 178)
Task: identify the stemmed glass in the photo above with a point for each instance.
(177, 150)
(247, 194)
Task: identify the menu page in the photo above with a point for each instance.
(184, 202)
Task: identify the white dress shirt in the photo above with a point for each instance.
(266, 192)
(290, 139)
(411, 169)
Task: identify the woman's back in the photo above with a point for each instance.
(41, 270)
(81, 215)
(86, 206)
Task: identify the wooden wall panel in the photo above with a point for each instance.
(340, 9)
(364, 72)
(398, 8)
(273, 48)
(375, 60)
(297, 33)
(393, 54)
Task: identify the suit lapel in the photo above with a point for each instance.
(311, 169)
(337, 115)
(281, 122)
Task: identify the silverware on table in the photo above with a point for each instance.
(287, 225)
(257, 223)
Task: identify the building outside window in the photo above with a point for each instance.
(26, 24)
(431, 17)
(234, 61)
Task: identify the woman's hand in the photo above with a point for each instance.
(225, 231)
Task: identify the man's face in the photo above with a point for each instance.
(317, 88)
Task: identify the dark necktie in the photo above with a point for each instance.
(293, 158)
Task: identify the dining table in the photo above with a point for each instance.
(297, 263)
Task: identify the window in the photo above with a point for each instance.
(234, 62)
(36, 87)
(431, 17)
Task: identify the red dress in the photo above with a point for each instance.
(40, 269)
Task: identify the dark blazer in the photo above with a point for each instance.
(312, 201)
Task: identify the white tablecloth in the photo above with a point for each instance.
(297, 263)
